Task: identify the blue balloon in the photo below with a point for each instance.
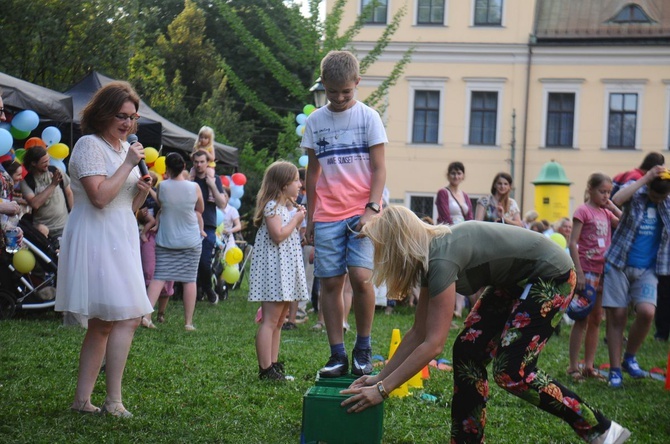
(51, 135)
(236, 191)
(235, 203)
(57, 163)
(219, 217)
(6, 141)
(303, 161)
(300, 118)
(26, 120)
(300, 130)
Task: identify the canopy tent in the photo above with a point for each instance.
(48, 104)
(154, 129)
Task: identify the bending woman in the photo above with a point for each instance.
(529, 282)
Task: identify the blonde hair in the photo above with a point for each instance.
(275, 180)
(205, 130)
(339, 67)
(401, 241)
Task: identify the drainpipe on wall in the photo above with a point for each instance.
(531, 41)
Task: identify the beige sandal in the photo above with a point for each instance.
(576, 376)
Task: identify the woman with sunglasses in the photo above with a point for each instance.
(100, 276)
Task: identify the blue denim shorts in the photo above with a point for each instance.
(631, 284)
(336, 248)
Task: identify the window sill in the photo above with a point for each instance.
(485, 147)
(561, 148)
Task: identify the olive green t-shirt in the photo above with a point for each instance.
(477, 254)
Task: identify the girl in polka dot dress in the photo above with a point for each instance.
(277, 270)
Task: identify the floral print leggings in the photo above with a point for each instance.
(510, 326)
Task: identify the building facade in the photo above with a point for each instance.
(508, 85)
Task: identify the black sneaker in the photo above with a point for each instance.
(337, 365)
(270, 374)
(361, 361)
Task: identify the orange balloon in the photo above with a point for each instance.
(34, 141)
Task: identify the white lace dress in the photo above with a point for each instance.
(99, 267)
(277, 271)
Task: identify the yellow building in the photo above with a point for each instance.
(509, 85)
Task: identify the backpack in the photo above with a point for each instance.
(30, 181)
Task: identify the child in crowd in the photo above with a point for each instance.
(277, 271)
(592, 225)
(345, 181)
(205, 142)
(639, 253)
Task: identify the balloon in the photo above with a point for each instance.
(18, 155)
(59, 151)
(300, 118)
(34, 141)
(300, 130)
(234, 256)
(159, 165)
(6, 141)
(239, 179)
(219, 217)
(231, 274)
(236, 191)
(26, 120)
(150, 155)
(303, 161)
(18, 134)
(559, 239)
(24, 261)
(224, 180)
(308, 109)
(51, 135)
(235, 203)
(57, 163)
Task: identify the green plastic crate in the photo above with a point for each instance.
(324, 421)
(343, 381)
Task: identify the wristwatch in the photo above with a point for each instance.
(374, 206)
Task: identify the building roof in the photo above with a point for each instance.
(595, 20)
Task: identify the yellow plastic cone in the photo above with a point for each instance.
(415, 381)
(395, 342)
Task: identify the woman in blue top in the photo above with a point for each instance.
(528, 283)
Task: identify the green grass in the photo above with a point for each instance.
(202, 387)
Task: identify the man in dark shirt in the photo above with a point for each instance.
(210, 187)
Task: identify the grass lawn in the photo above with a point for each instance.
(202, 386)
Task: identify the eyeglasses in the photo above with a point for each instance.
(2, 110)
(132, 117)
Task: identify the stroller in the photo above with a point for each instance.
(31, 291)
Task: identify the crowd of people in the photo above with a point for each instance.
(517, 281)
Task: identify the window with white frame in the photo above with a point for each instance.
(430, 12)
(378, 11)
(425, 109)
(488, 12)
(426, 116)
(422, 204)
(561, 100)
(484, 96)
(623, 103)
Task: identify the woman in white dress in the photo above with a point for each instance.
(100, 272)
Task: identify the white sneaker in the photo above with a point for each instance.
(616, 434)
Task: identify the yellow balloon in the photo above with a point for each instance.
(234, 256)
(24, 261)
(231, 274)
(159, 165)
(150, 155)
(59, 151)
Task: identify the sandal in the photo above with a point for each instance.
(594, 374)
(576, 376)
(81, 409)
(161, 317)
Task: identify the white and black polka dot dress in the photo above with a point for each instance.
(277, 271)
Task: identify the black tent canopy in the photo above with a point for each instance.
(154, 130)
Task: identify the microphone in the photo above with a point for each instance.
(144, 171)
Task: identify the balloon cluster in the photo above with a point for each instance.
(302, 118)
(155, 162)
(231, 271)
(236, 184)
(20, 127)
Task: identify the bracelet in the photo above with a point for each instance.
(382, 390)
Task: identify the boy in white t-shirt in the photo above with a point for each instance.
(345, 180)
